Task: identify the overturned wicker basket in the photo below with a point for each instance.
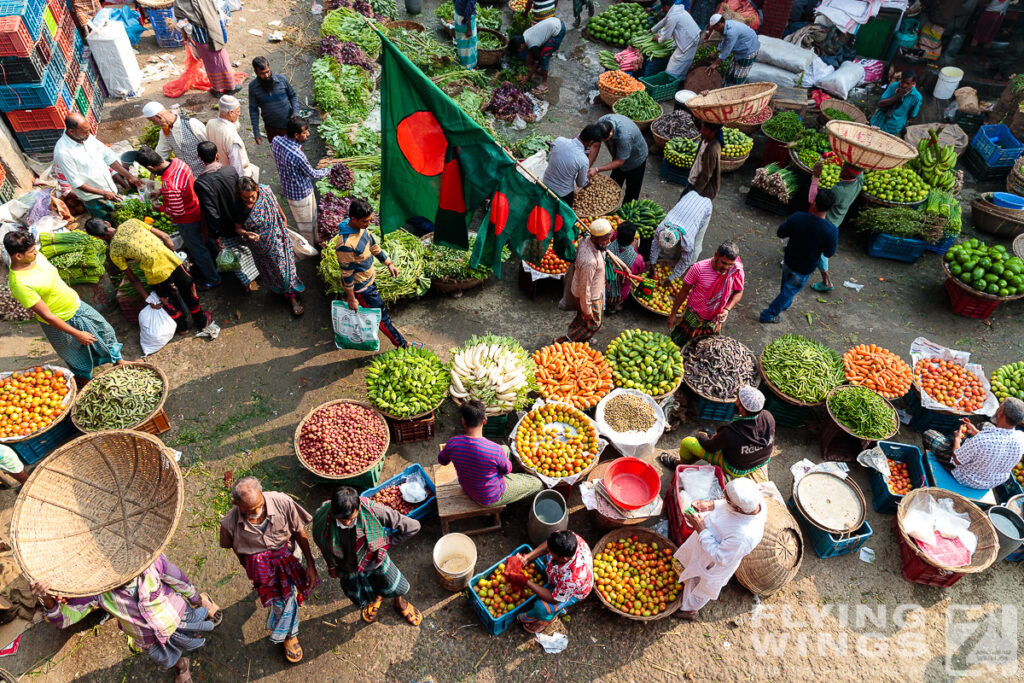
(988, 544)
(776, 559)
(491, 57)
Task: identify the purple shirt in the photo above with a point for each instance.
(481, 465)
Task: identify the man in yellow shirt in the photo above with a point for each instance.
(77, 332)
(134, 240)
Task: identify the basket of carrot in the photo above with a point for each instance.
(572, 373)
(614, 85)
(878, 369)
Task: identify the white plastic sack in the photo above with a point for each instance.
(847, 77)
(921, 348)
(551, 482)
(536, 163)
(115, 58)
(777, 52)
(816, 72)
(634, 443)
(156, 326)
(355, 329)
(926, 515)
(766, 73)
(300, 245)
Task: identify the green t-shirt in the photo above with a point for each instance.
(41, 282)
(846, 192)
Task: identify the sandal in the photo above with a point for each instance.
(687, 616)
(822, 287)
(412, 615)
(214, 613)
(184, 674)
(292, 649)
(369, 613)
(668, 460)
(536, 627)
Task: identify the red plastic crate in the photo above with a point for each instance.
(917, 570)
(15, 38)
(679, 530)
(65, 38)
(26, 120)
(967, 304)
(94, 125)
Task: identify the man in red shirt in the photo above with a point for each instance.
(182, 205)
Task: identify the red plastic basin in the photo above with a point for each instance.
(632, 483)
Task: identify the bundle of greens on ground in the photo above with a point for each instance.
(777, 181)
(78, 257)
(509, 101)
(423, 50)
(445, 263)
(347, 25)
(349, 139)
(343, 90)
(531, 144)
(346, 52)
(802, 368)
(407, 252)
(784, 126)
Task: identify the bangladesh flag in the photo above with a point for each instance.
(436, 162)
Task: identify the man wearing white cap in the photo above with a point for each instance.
(223, 132)
(726, 532)
(588, 282)
(179, 133)
(738, 40)
(741, 447)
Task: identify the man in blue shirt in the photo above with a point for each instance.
(738, 40)
(900, 101)
(810, 238)
(273, 95)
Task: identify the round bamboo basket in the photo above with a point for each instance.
(972, 291)
(69, 402)
(776, 559)
(644, 536)
(849, 109)
(89, 387)
(795, 158)
(609, 97)
(407, 25)
(579, 475)
(727, 105)
(409, 417)
(872, 199)
(659, 140)
(674, 389)
(733, 164)
(847, 430)
(97, 512)
(996, 220)
(602, 366)
(706, 397)
(349, 475)
(778, 392)
(491, 57)
(450, 286)
(866, 147)
(595, 182)
(646, 124)
(643, 304)
(1015, 178)
(1018, 247)
(988, 544)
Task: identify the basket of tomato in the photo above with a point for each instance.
(635, 575)
(33, 406)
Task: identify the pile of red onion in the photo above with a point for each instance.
(392, 497)
(342, 438)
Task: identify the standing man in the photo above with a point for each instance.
(588, 282)
(354, 535)
(263, 529)
(179, 133)
(625, 142)
(273, 95)
(711, 289)
(568, 163)
(356, 248)
(86, 163)
(851, 180)
(683, 30)
(79, 335)
(706, 173)
(181, 204)
(223, 132)
(738, 40)
(900, 101)
(297, 175)
(811, 236)
(536, 47)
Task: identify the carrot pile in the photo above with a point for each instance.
(573, 373)
(878, 369)
(619, 83)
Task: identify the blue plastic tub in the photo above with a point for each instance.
(904, 249)
(828, 545)
(1008, 201)
(426, 509)
(996, 146)
(882, 499)
(500, 625)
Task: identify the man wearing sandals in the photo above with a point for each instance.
(354, 535)
(160, 610)
(570, 569)
(263, 529)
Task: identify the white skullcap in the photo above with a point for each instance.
(751, 399)
(744, 494)
(228, 103)
(600, 227)
(715, 18)
(152, 109)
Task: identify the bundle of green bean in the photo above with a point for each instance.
(119, 399)
(863, 412)
(649, 47)
(802, 368)
(638, 106)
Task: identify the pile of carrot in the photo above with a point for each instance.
(878, 369)
(573, 373)
(619, 83)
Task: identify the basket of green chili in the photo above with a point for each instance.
(124, 397)
(862, 413)
(800, 371)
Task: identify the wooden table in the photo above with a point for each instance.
(453, 503)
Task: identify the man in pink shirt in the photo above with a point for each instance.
(711, 288)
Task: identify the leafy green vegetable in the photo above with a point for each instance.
(447, 263)
(346, 24)
(347, 139)
(340, 89)
(406, 251)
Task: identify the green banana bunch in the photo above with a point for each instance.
(935, 162)
(643, 213)
(649, 47)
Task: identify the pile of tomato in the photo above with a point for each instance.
(556, 441)
(500, 595)
(950, 384)
(636, 577)
(30, 400)
(550, 263)
(899, 479)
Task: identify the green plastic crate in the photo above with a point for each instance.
(661, 86)
(786, 414)
(50, 21)
(82, 101)
(497, 426)
(6, 191)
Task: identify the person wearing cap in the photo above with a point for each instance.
(683, 30)
(845, 191)
(680, 235)
(179, 133)
(982, 458)
(738, 40)
(588, 282)
(741, 447)
(711, 289)
(724, 532)
(626, 144)
(223, 132)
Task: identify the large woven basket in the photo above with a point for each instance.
(776, 559)
(727, 105)
(866, 147)
(996, 220)
(847, 430)
(350, 475)
(69, 400)
(644, 536)
(1018, 247)
(949, 134)
(988, 544)
(117, 368)
(872, 199)
(451, 286)
(491, 57)
(839, 105)
(611, 206)
(687, 375)
(732, 164)
(974, 292)
(96, 512)
(407, 25)
(609, 97)
(778, 392)
(1015, 178)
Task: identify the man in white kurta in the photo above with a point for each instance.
(721, 539)
(223, 132)
(680, 26)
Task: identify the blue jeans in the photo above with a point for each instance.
(369, 297)
(792, 283)
(192, 233)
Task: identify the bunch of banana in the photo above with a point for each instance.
(935, 162)
(644, 214)
(649, 47)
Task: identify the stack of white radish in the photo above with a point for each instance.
(493, 370)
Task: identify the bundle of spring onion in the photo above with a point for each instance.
(777, 181)
(943, 204)
(407, 253)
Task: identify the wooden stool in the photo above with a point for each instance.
(454, 504)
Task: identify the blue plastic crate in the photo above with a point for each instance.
(882, 499)
(165, 36)
(996, 146)
(905, 249)
(828, 545)
(715, 411)
(500, 625)
(674, 174)
(940, 247)
(427, 509)
(30, 11)
(35, 95)
(922, 419)
(39, 141)
(35, 449)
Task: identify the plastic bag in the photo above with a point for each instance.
(847, 77)
(193, 77)
(113, 53)
(633, 443)
(927, 516)
(300, 245)
(414, 489)
(156, 326)
(355, 329)
(227, 261)
(126, 16)
(767, 73)
(701, 483)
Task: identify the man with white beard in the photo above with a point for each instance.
(223, 132)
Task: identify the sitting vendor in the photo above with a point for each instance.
(982, 458)
(741, 447)
(900, 101)
(570, 571)
(483, 466)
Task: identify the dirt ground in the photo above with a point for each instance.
(235, 402)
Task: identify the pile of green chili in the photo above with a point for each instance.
(802, 368)
(863, 412)
(118, 399)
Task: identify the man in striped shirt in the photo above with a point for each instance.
(356, 248)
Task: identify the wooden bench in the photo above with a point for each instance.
(453, 503)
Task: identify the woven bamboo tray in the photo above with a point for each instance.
(872, 199)
(776, 559)
(988, 544)
(866, 147)
(697, 391)
(778, 392)
(646, 125)
(608, 97)
(727, 105)
(732, 164)
(845, 107)
(136, 364)
(1018, 247)
(69, 401)
(644, 536)
(349, 475)
(96, 512)
(643, 304)
(674, 389)
(996, 220)
(974, 292)
(847, 430)
(407, 25)
(580, 476)
(491, 57)
(599, 179)
(450, 286)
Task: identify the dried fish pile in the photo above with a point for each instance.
(717, 367)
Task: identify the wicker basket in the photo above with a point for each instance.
(97, 512)
(866, 147)
(644, 536)
(776, 559)
(706, 397)
(658, 140)
(610, 98)
(844, 428)
(349, 475)
(69, 401)
(580, 476)
(727, 105)
(450, 286)
(795, 158)
(730, 165)
(116, 368)
(839, 105)
(778, 392)
(597, 181)
(872, 199)
(995, 220)
(407, 25)
(974, 292)
(1015, 178)
(988, 544)
(1018, 247)
(949, 134)
(491, 57)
